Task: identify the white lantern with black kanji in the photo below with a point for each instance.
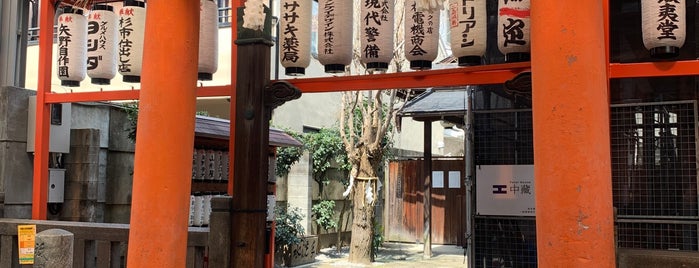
(295, 36)
(102, 36)
(664, 27)
(132, 26)
(421, 36)
(376, 33)
(513, 29)
(335, 34)
(72, 47)
(468, 24)
(208, 39)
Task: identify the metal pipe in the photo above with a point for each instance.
(470, 182)
(41, 138)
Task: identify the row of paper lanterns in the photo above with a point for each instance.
(467, 21)
(107, 41)
(664, 32)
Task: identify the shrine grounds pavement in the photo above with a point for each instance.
(396, 255)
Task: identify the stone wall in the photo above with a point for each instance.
(15, 163)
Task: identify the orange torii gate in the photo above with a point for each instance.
(571, 72)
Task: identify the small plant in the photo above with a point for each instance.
(324, 214)
(288, 230)
(288, 156)
(377, 240)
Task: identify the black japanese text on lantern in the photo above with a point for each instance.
(329, 32)
(97, 38)
(125, 43)
(667, 19)
(376, 13)
(513, 28)
(64, 38)
(418, 30)
(290, 45)
(469, 11)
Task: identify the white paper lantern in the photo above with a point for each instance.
(208, 39)
(335, 34)
(295, 36)
(468, 24)
(376, 34)
(102, 36)
(421, 36)
(664, 27)
(513, 30)
(132, 26)
(72, 47)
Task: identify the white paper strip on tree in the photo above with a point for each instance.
(514, 29)
(208, 39)
(132, 26)
(72, 47)
(376, 35)
(295, 36)
(664, 27)
(335, 34)
(102, 36)
(468, 24)
(421, 36)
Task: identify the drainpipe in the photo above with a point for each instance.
(469, 182)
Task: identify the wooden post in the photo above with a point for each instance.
(255, 100)
(427, 190)
(220, 232)
(165, 137)
(574, 220)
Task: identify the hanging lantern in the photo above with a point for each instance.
(132, 26)
(295, 36)
(664, 27)
(102, 37)
(335, 34)
(72, 47)
(513, 30)
(468, 26)
(376, 34)
(421, 36)
(208, 39)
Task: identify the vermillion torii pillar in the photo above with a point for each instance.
(574, 220)
(165, 137)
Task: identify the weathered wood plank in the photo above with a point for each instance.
(78, 253)
(190, 257)
(6, 251)
(104, 249)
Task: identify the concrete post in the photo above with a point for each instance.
(54, 249)
(165, 139)
(574, 219)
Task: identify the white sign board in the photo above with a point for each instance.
(505, 190)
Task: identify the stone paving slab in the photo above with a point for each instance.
(396, 255)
